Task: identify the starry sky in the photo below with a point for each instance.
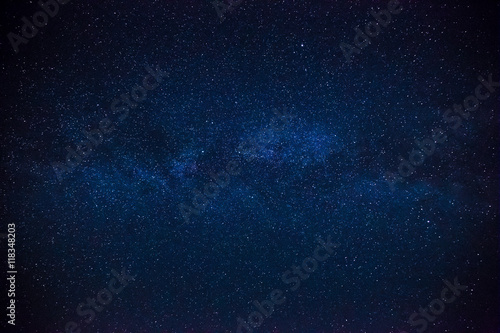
(224, 83)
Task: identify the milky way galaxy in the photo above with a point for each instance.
(250, 166)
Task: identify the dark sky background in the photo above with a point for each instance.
(322, 175)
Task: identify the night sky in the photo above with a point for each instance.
(227, 154)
